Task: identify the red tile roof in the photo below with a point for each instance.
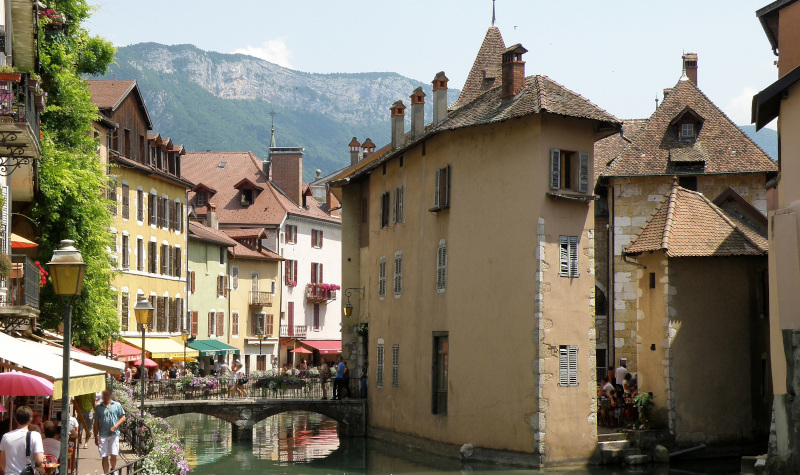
(151, 171)
(656, 149)
(608, 148)
(204, 233)
(270, 206)
(486, 70)
(689, 225)
(241, 251)
(108, 95)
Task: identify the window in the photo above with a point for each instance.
(178, 216)
(164, 256)
(246, 198)
(128, 143)
(316, 238)
(173, 315)
(255, 283)
(151, 209)
(397, 217)
(441, 267)
(235, 323)
(652, 277)
(687, 131)
(163, 315)
(384, 210)
(123, 311)
(222, 287)
(177, 257)
(220, 327)
(568, 256)
(140, 255)
(111, 194)
(569, 170)
(235, 277)
(567, 366)
(140, 205)
(212, 324)
(126, 264)
(688, 182)
(201, 198)
(395, 366)
(441, 189)
(126, 201)
(382, 278)
(316, 273)
(398, 273)
(223, 251)
(194, 322)
(291, 272)
(162, 211)
(315, 323)
(379, 365)
(441, 348)
(291, 234)
(152, 251)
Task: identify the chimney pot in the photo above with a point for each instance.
(513, 71)
(367, 148)
(398, 124)
(439, 98)
(418, 113)
(690, 66)
(666, 92)
(354, 151)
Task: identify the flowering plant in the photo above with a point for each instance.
(256, 374)
(291, 283)
(280, 383)
(292, 372)
(206, 384)
(51, 15)
(43, 274)
(362, 329)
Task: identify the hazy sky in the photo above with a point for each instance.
(618, 54)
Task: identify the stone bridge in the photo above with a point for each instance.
(351, 414)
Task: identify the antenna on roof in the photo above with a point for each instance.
(656, 102)
(493, 15)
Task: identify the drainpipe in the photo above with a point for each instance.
(612, 347)
(185, 228)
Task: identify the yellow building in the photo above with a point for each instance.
(149, 211)
(472, 295)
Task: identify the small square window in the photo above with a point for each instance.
(687, 131)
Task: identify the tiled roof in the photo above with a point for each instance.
(240, 233)
(608, 148)
(204, 233)
(270, 206)
(108, 95)
(151, 170)
(689, 225)
(240, 251)
(486, 71)
(719, 142)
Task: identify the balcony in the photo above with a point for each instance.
(294, 331)
(21, 100)
(20, 306)
(321, 293)
(260, 299)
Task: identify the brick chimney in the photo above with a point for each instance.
(439, 98)
(211, 216)
(287, 171)
(418, 112)
(690, 66)
(398, 124)
(367, 148)
(513, 71)
(355, 147)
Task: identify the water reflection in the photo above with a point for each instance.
(307, 443)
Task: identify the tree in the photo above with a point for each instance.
(70, 202)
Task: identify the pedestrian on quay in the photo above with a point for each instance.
(128, 376)
(108, 417)
(324, 375)
(346, 380)
(21, 447)
(84, 406)
(364, 372)
(239, 379)
(620, 373)
(339, 378)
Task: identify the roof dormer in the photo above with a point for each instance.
(687, 124)
(203, 194)
(248, 191)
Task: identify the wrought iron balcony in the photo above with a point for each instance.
(320, 293)
(260, 299)
(21, 101)
(294, 331)
(20, 306)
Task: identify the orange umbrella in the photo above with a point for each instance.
(19, 242)
(301, 350)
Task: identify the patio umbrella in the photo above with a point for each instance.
(179, 359)
(14, 383)
(148, 363)
(19, 242)
(301, 350)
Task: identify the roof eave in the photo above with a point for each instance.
(766, 104)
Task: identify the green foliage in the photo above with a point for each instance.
(644, 404)
(70, 202)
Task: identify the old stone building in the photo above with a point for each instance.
(687, 137)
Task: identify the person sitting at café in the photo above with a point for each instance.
(606, 387)
(52, 439)
(626, 384)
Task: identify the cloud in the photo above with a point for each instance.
(738, 109)
(274, 51)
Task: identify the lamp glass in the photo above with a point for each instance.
(184, 335)
(67, 269)
(143, 311)
(348, 309)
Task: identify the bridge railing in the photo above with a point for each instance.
(137, 435)
(282, 387)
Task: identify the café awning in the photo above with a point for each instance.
(29, 356)
(161, 347)
(213, 348)
(98, 362)
(325, 347)
(124, 352)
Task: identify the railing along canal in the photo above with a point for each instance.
(135, 433)
(131, 468)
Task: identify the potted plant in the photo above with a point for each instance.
(40, 101)
(5, 265)
(10, 73)
(34, 83)
(362, 329)
(644, 404)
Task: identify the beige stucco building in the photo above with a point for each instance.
(472, 296)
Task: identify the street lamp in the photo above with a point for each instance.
(186, 340)
(348, 307)
(67, 270)
(144, 315)
(260, 336)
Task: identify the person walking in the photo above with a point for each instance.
(21, 447)
(324, 375)
(364, 371)
(339, 378)
(346, 380)
(84, 406)
(108, 417)
(240, 379)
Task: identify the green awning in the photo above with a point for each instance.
(213, 348)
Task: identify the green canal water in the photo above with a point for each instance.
(306, 443)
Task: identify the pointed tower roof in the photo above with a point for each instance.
(272, 138)
(486, 71)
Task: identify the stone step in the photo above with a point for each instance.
(637, 459)
(614, 444)
(616, 456)
(612, 437)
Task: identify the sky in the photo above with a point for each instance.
(619, 54)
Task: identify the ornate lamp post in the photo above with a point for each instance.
(144, 316)
(186, 340)
(348, 307)
(67, 270)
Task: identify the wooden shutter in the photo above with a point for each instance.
(563, 256)
(316, 316)
(151, 209)
(583, 172)
(192, 277)
(195, 317)
(179, 217)
(220, 323)
(555, 168)
(294, 271)
(178, 263)
(126, 201)
(573, 256)
(124, 313)
(234, 323)
(219, 286)
(436, 188)
(319, 236)
(269, 330)
(445, 200)
(314, 272)
(210, 323)
(321, 278)
(287, 270)
(573, 365)
(139, 205)
(563, 366)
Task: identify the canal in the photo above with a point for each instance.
(306, 443)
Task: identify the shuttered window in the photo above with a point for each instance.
(315, 323)
(190, 276)
(211, 322)
(291, 272)
(379, 366)
(382, 278)
(583, 172)
(139, 205)
(178, 271)
(151, 209)
(164, 256)
(126, 256)
(441, 267)
(568, 256)
(139, 255)
(152, 257)
(398, 273)
(126, 201)
(568, 366)
(555, 169)
(123, 311)
(163, 316)
(316, 238)
(291, 234)
(395, 366)
(269, 329)
(441, 189)
(316, 273)
(179, 216)
(385, 209)
(176, 324)
(194, 323)
(235, 323)
(397, 217)
(220, 323)
(111, 194)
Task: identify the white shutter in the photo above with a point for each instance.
(441, 266)
(382, 278)
(379, 358)
(573, 256)
(396, 201)
(555, 169)
(583, 172)
(398, 273)
(573, 365)
(563, 256)
(400, 193)
(563, 366)
(436, 180)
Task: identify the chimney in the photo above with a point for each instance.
(667, 91)
(367, 148)
(398, 124)
(690, 67)
(287, 171)
(418, 113)
(513, 71)
(211, 216)
(354, 149)
(439, 98)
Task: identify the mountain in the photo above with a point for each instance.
(765, 138)
(214, 101)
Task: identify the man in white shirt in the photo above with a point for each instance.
(13, 446)
(606, 386)
(620, 373)
(158, 374)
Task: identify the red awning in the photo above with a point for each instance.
(325, 347)
(124, 352)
